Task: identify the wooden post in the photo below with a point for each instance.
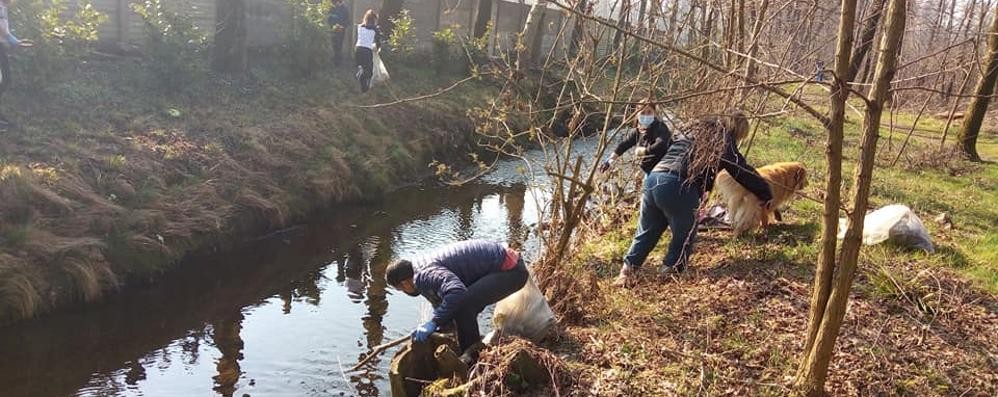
(494, 40)
(122, 22)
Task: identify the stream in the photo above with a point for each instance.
(281, 316)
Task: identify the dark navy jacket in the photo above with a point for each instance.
(677, 160)
(339, 15)
(443, 275)
(656, 140)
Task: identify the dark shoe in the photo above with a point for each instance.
(470, 356)
(670, 271)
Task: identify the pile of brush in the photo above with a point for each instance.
(512, 367)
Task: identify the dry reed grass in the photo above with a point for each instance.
(81, 214)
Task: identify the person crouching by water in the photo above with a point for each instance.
(460, 280)
(652, 137)
(368, 40)
(673, 189)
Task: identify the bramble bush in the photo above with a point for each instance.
(175, 46)
(307, 37)
(402, 39)
(454, 53)
(62, 40)
(445, 45)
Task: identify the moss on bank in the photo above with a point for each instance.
(106, 182)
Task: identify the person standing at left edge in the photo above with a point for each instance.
(338, 20)
(8, 42)
(460, 280)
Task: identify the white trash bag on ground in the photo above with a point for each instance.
(380, 73)
(525, 313)
(897, 223)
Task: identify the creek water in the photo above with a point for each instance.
(281, 316)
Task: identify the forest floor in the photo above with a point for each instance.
(111, 178)
(917, 324)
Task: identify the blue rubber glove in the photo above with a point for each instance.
(422, 333)
(605, 166)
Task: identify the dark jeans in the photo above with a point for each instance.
(365, 59)
(486, 291)
(338, 47)
(666, 202)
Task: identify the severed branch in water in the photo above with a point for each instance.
(378, 350)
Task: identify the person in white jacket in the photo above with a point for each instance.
(7, 43)
(368, 40)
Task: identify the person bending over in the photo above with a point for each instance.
(460, 280)
(672, 191)
(652, 137)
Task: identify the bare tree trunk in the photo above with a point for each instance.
(390, 10)
(833, 183)
(815, 367)
(531, 30)
(579, 28)
(623, 17)
(673, 28)
(483, 14)
(866, 38)
(753, 50)
(229, 54)
(979, 104)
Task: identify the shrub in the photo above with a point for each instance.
(402, 39)
(307, 36)
(175, 46)
(61, 42)
(444, 49)
(476, 50)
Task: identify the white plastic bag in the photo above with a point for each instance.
(380, 73)
(525, 313)
(897, 223)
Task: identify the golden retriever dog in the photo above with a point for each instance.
(745, 210)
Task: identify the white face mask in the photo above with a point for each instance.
(645, 120)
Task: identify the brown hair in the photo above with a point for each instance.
(736, 123)
(370, 17)
(710, 136)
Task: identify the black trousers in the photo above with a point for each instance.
(4, 71)
(486, 291)
(365, 59)
(338, 47)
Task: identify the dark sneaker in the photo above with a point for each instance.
(670, 271)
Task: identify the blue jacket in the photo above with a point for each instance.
(442, 276)
(339, 15)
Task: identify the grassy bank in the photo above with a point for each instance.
(918, 324)
(109, 181)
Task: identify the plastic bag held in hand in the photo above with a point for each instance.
(525, 313)
(897, 223)
(380, 73)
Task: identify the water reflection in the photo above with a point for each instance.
(279, 317)
(225, 333)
